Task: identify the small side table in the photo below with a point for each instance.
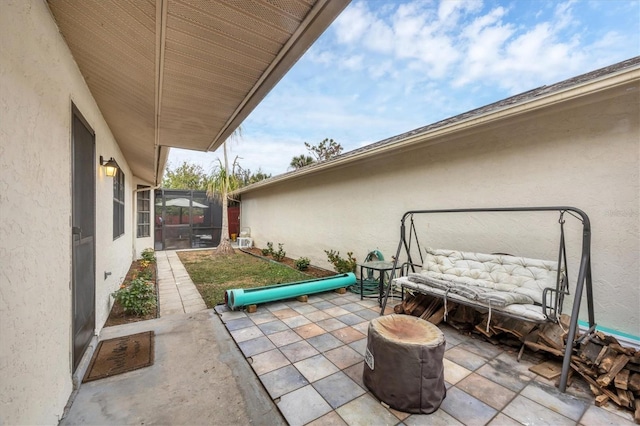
(382, 267)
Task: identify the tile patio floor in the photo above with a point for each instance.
(309, 357)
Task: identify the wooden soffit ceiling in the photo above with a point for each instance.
(184, 73)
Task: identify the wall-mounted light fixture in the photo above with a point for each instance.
(110, 166)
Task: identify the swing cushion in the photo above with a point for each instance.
(510, 284)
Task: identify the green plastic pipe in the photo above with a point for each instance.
(240, 297)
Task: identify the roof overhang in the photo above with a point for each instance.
(184, 73)
(619, 80)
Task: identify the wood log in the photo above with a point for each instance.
(621, 349)
(437, 317)
(621, 381)
(589, 352)
(601, 400)
(603, 353)
(552, 335)
(548, 369)
(607, 362)
(513, 326)
(625, 401)
(636, 414)
(590, 380)
(634, 382)
(618, 365)
(595, 390)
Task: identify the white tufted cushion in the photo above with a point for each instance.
(498, 272)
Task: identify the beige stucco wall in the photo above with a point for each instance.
(583, 153)
(39, 81)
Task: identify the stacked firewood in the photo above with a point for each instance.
(611, 370)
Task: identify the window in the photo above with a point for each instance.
(144, 212)
(118, 204)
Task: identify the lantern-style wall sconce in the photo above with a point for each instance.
(110, 166)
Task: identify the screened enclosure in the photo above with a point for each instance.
(186, 219)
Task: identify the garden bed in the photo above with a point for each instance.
(311, 270)
(118, 315)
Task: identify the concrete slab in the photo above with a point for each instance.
(199, 377)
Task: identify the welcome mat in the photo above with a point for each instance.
(119, 355)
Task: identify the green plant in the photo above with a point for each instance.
(137, 298)
(340, 264)
(269, 250)
(149, 255)
(145, 274)
(280, 254)
(302, 263)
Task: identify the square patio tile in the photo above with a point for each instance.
(302, 406)
(325, 342)
(276, 306)
(273, 327)
(348, 334)
(510, 360)
(453, 372)
(309, 330)
(331, 324)
(338, 389)
(369, 303)
(283, 338)
(341, 300)
(359, 346)
(329, 295)
(486, 391)
(526, 411)
(598, 416)
(283, 380)
(239, 323)
(246, 334)
(261, 318)
(467, 359)
(352, 307)
(296, 321)
(482, 348)
(343, 357)
(355, 373)
(438, 418)
(324, 305)
(368, 314)
(298, 351)
(315, 368)
(502, 374)
(330, 419)
(268, 361)
(285, 313)
(314, 298)
(256, 346)
(305, 309)
(366, 411)
(336, 311)
(503, 420)
(317, 316)
(363, 327)
(550, 397)
(351, 319)
(466, 408)
(231, 315)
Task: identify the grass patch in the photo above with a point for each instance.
(213, 275)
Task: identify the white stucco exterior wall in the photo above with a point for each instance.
(39, 81)
(583, 153)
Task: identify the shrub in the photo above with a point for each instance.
(269, 250)
(137, 298)
(280, 254)
(340, 264)
(149, 255)
(302, 263)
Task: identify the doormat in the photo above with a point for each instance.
(119, 355)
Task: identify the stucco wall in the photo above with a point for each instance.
(39, 80)
(583, 153)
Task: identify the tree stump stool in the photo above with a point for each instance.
(403, 363)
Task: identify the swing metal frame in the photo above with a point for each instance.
(584, 271)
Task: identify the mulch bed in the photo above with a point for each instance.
(117, 315)
(311, 270)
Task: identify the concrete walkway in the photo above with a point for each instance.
(199, 376)
(177, 293)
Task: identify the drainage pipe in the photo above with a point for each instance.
(240, 297)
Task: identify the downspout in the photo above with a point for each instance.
(134, 210)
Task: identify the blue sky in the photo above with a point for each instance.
(386, 67)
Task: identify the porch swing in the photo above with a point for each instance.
(526, 289)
